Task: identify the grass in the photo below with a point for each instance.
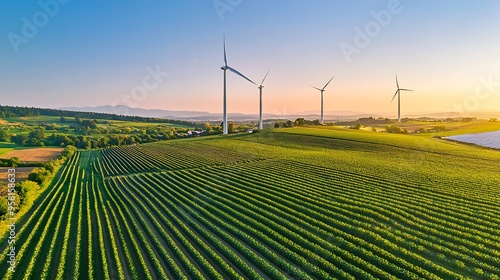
(453, 128)
(4, 151)
(6, 147)
(467, 128)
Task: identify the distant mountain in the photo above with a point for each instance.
(200, 116)
(124, 110)
(444, 115)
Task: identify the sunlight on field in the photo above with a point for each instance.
(34, 154)
(301, 202)
(5, 151)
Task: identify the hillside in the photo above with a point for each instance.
(303, 203)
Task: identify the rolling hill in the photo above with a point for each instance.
(303, 203)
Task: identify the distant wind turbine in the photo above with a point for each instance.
(398, 93)
(260, 104)
(322, 90)
(224, 68)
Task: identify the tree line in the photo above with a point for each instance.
(15, 111)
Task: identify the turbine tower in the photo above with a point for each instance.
(322, 90)
(398, 93)
(224, 68)
(260, 104)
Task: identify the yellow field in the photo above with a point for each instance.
(34, 155)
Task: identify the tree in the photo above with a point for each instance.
(276, 125)
(4, 206)
(61, 140)
(51, 165)
(68, 152)
(14, 161)
(62, 119)
(19, 139)
(38, 133)
(300, 122)
(357, 126)
(289, 123)
(207, 126)
(4, 135)
(25, 191)
(393, 129)
(103, 141)
(39, 175)
(89, 124)
(231, 127)
(316, 122)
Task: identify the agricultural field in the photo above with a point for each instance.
(34, 155)
(301, 203)
(22, 174)
(45, 131)
(449, 128)
(37, 120)
(6, 147)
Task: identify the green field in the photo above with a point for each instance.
(6, 147)
(302, 203)
(452, 128)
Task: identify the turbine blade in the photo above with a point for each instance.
(328, 83)
(395, 95)
(239, 74)
(397, 81)
(265, 77)
(405, 89)
(316, 88)
(225, 57)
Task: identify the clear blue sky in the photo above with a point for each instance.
(89, 53)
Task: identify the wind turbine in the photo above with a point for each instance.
(260, 111)
(224, 68)
(322, 90)
(398, 93)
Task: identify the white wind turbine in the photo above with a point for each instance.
(322, 90)
(224, 68)
(398, 93)
(260, 104)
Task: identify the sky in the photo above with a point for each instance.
(168, 54)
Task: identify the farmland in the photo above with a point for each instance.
(303, 203)
(34, 155)
(6, 148)
(35, 127)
